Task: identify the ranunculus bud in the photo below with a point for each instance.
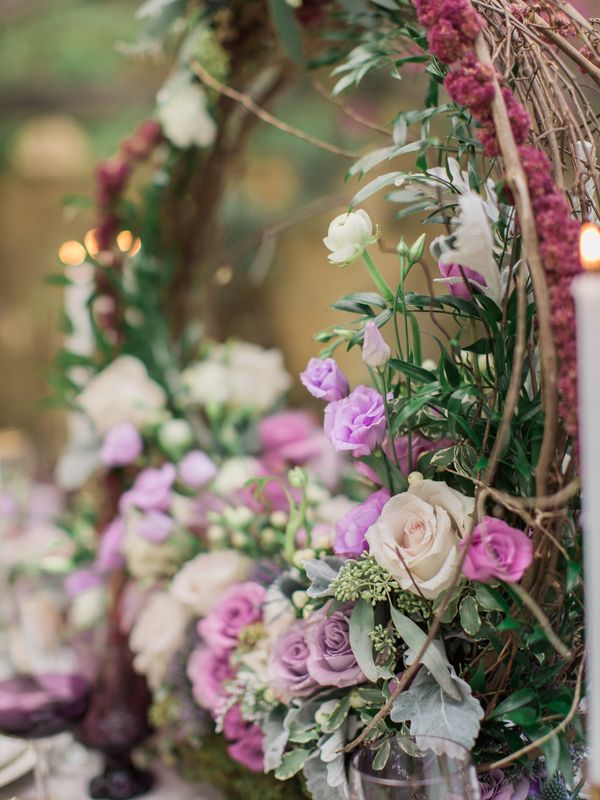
(375, 352)
(175, 436)
(348, 235)
(196, 469)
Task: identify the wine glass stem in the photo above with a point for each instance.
(42, 770)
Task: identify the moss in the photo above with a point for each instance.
(211, 764)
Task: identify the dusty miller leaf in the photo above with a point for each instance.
(429, 710)
(321, 572)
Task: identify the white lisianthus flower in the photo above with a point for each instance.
(257, 377)
(235, 473)
(348, 236)
(201, 582)
(81, 456)
(206, 382)
(88, 608)
(157, 634)
(176, 435)
(122, 392)
(417, 535)
(183, 113)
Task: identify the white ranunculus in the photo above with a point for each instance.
(183, 114)
(157, 634)
(348, 235)
(417, 534)
(257, 377)
(200, 583)
(122, 392)
(206, 382)
(151, 560)
(235, 473)
(176, 435)
(88, 608)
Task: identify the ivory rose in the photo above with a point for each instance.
(201, 582)
(417, 536)
(157, 634)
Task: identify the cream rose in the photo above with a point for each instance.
(123, 392)
(201, 582)
(417, 534)
(156, 636)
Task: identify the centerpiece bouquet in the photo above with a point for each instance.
(414, 564)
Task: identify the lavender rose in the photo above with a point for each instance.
(151, 490)
(497, 787)
(350, 530)
(325, 380)
(357, 422)
(288, 669)
(331, 661)
(122, 445)
(241, 605)
(496, 550)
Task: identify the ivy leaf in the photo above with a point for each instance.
(415, 638)
(362, 622)
(291, 764)
(469, 616)
(430, 711)
(382, 756)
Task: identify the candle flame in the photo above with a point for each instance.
(589, 246)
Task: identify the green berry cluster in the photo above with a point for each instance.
(384, 639)
(211, 54)
(365, 579)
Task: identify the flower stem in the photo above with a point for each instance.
(378, 278)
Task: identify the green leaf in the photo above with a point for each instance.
(433, 659)
(517, 699)
(469, 616)
(362, 622)
(382, 755)
(338, 715)
(374, 186)
(412, 371)
(287, 29)
(490, 598)
(291, 764)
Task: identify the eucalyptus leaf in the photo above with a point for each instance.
(362, 622)
(415, 638)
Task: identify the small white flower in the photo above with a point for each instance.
(183, 113)
(175, 434)
(348, 236)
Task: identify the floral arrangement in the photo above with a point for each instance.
(414, 562)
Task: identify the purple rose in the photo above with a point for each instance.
(155, 527)
(458, 287)
(81, 580)
(208, 671)
(196, 469)
(331, 661)
(497, 787)
(497, 551)
(248, 751)
(122, 445)
(110, 553)
(351, 528)
(357, 422)
(325, 380)
(288, 668)
(151, 490)
(241, 605)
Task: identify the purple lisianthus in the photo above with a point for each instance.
(456, 283)
(196, 469)
(241, 605)
(325, 380)
(151, 490)
(497, 551)
(248, 750)
(208, 671)
(351, 528)
(81, 580)
(357, 422)
(155, 526)
(331, 661)
(497, 787)
(375, 352)
(110, 553)
(288, 668)
(122, 445)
